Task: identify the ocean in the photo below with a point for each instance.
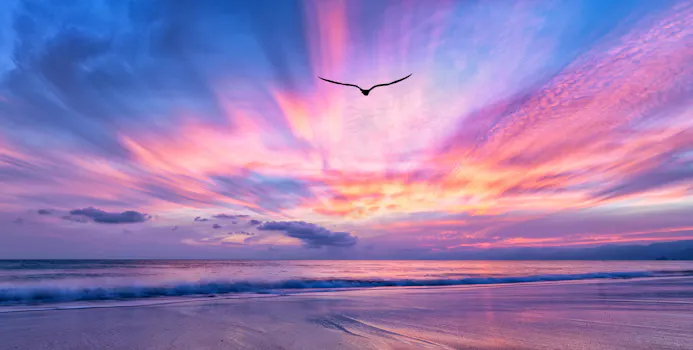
(31, 282)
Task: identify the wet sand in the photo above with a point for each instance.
(605, 314)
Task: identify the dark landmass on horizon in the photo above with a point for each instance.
(675, 250)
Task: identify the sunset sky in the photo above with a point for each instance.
(199, 129)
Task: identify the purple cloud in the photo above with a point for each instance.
(312, 236)
(200, 219)
(104, 217)
(230, 216)
(244, 233)
(254, 222)
(668, 173)
(216, 226)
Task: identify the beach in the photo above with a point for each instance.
(647, 313)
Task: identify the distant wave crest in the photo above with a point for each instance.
(30, 295)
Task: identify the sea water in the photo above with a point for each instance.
(55, 281)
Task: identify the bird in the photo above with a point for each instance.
(365, 92)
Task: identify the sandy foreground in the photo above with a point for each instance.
(634, 314)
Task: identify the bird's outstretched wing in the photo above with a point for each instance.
(390, 83)
(336, 82)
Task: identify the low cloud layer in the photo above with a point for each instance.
(242, 233)
(105, 217)
(312, 236)
(230, 216)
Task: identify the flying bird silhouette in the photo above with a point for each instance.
(365, 92)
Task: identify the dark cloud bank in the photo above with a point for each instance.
(312, 236)
(242, 233)
(230, 216)
(104, 217)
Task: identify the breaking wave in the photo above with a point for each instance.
(43, 294)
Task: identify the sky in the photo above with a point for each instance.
(200, 129)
